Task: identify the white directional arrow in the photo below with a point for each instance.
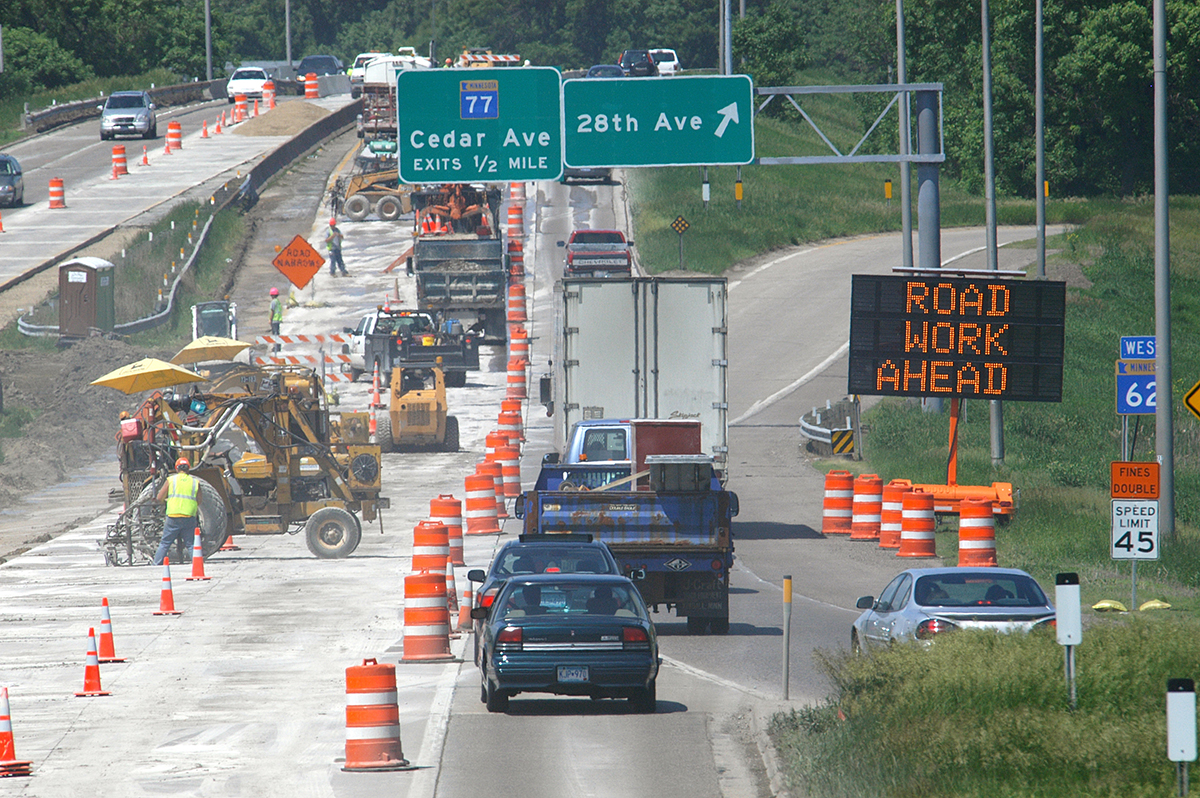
(730, 112)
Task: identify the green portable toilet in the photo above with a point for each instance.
(86, 299)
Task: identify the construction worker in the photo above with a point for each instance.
(333, 242)
(276, 314)
(181, 492)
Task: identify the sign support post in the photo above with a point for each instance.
(787, 633)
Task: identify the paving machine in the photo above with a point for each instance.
(270, 456)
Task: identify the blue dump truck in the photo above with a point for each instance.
(668, 526)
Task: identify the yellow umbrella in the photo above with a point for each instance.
(146, 375)
(209, 347)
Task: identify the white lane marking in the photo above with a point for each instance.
(763, 404)
(433, 742)
(718, 680)
(741, 568)
(766, 266)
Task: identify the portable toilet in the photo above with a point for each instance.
(86, 299)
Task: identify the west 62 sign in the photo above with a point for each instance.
(957, 337)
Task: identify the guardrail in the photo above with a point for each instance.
(827, 439)
(66, 113)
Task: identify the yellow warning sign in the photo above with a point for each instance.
(1192, 400)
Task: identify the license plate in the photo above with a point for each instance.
(572, 673)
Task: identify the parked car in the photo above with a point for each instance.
(358, 70)
(637, 64)
(317, 65)
(605, 71)
(568, 634)
(666, 61)
(535, 554)
(247, 81)
(921, 603)
(12, 185)
(128, 113)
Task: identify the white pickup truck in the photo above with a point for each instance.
(385, 339)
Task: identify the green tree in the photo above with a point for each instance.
(769, 45)
(35, 62)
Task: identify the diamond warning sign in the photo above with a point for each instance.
(299, 262)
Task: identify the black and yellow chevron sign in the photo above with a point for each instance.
(842, 440)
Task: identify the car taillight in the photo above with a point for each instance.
(1049, 623)
(509, 639)
(933, 626)
(634, 637)
(488, 598)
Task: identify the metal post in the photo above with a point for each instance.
(1070, 652)
(208, 39)
(433, 32)
(787, 633)
(1040, 124)
(1133, 581)
(995, 408)
(287, 29)
(728, 37)
(1164, 427)
(905, 148)
(929, 212)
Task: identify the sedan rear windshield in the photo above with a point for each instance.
(976, 589)
(537, 558)
(565, 598)
(249, 74)
(593, 237)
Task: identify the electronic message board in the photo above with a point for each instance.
(964, 337)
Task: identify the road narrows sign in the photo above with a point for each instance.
(299, 262)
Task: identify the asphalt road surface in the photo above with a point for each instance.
(243, 693)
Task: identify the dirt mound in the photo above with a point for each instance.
(74, 422)
(285, 119)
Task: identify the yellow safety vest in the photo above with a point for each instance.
(182, 491)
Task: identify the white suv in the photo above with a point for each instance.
(667, 61)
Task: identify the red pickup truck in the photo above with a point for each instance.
(598, 253)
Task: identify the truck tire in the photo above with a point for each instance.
(646, 700)
(332, 533)
(357, 207)
(214, 520)
(456, 379)
(450, 444)
(383, 433)
(696, 625)
(719, 626)
(389, 209)
(495, 698)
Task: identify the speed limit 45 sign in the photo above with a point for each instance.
(1134, 529)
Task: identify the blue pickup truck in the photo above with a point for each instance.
(669, 527)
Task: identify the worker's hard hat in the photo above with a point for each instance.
(332, 222)
(182, 464)
(274, 292)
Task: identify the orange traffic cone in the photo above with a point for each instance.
(166, 602)
(229, 545)
(204, 129)
(145, 157)
(451, 588)
(115, 174)
(256, 107)
(464, 608)
(9, 765)
(217, 127)
(108, 652)
(91, 671)
(167, 147)
(198, 559)
(1, 223)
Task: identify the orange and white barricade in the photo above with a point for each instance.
(976, 533)
(917, 526)
(426, 617)
(373, 719)
(837, 513)
(868, 496)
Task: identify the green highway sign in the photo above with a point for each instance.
(668, 121)
(462, 125)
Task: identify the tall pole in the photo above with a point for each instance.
(433, 33)
(1040, 123)
(728, 37)
(1164, 427)
(905, 149)
(929, 209)
(208, 40)
(995, 408)
(287, 29)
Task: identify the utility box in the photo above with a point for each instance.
(86, 299)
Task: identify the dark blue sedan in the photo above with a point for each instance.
(568, 634)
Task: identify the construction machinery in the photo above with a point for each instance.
(270, 457)
(380, 191)
(417, 415)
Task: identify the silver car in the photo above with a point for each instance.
(128, 113)
(922, 603)
(12, 185)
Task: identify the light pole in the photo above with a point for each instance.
(208, 39)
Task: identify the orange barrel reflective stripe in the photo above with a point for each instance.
(838, 510)
(426, 617)
(431, 547)
(891, 512)
(976, 533)
(373, 719)
(917, 526)
(480, 506)
(868, 495)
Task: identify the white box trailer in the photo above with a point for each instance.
(643, 347)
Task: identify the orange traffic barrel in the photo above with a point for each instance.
(447, 510)
(516, 191)
(119, 164)
(838, 510)
(868, 495)
(426, 617)
(516, 258)
(509, 458)
(516, 220)
(174, 136)
(516, 304)
(57, 193)
(240, 107)
(891, 512)
(480, 507)
(269, 94)
(516, 378)
(976, 533)
(509, 423)
(492, 442)
(373, 719)
(518, 342)
(431, 547)
(917, 526)
(496, 472)
(511, 406)
(312, 89)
